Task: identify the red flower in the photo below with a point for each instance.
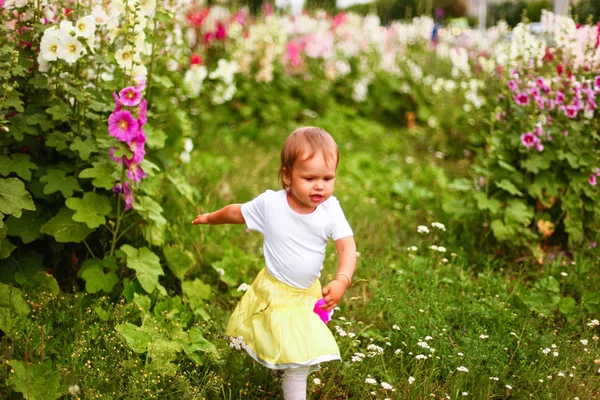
(195, 59)
(559, 69)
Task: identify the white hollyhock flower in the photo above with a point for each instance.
(148, 7)
(100, 16)
(49, 46)
(85, 27)
(71, 49)
(125, 57)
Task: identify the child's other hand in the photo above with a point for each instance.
(332, 293)
(201, 219)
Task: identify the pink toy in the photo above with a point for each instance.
(323, 314)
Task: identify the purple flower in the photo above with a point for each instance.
(529, 139)
(592, 181)
(117, 188)
(512, 85)
(522, 98)
(128, 195)
(134, 172)
(130, 96)
(122, 126)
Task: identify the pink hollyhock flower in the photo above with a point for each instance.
(122, 126)
(137, 147)
(571, 111)
(539, 131)
(597, 83)
(142, 114)
(221, 32)
(134, 172)
(130, 96)
(195, 59)
(292, 53)
(597, 172)
(522, 98)
(141, 83)
(529, 139)
(118, 105)
(592, 181)
(338, 20)
(539, 146)
(111, 153)
(541, 102)
(129, 200)
(560, 97)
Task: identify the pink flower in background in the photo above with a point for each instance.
(592, 181)
(522, 98)
(571, 111)
(135, 172)
(141, 83)
(292, 54)
(195, 59)
(597, 83)
(539, 131)
(118, 104)
(512, 85)
(122, 125)
(539, 146)
(560, 97)
(129, 200)
(339, 19)
(137, 147)
(130, 96)
(142, 114)
(221, 32)
(529, 139)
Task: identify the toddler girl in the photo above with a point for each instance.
(275, 316)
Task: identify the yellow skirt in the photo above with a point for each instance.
(280, 328)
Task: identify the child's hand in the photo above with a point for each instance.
(201, 219)
(332, 293)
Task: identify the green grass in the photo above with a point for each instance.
(458, 308)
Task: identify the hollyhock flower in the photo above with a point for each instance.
(592, 181)
(118, 104)
(512, 85)
(137, 147)
(49, 47)
(70, 50)
(134, 171)
(539, 146)
(529, 139)
(129, 200)
(221, 32)
(540, 102)
(538, 129)
(560, 97)
(117, 188)
(571, 111)
(195, 59)
(522, 98)
(292, 53)
(142, 113)
(130, 96)
(597, 83)
(85, 27)
(122, 126)
(111, 153)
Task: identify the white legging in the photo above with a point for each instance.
(294, 383)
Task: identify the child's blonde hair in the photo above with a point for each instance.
(310, 140)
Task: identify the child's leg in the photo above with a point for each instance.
(294, 383)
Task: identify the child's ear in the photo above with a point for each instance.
(286, 177)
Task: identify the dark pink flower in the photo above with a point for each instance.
(597, 83)
(130, 96)
(292, 54)
(221, 32)
(522, 98)
(122, 126)
(129, 200)
(571, 111)
(117, 102)
(560, 97)
(529, 139)
(117, 188)
(592, 181)
(137, 147)
(134, 171)
(142, 113)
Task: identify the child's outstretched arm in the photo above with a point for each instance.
(333, 292)
(231, 214)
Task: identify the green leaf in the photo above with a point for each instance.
(183, 187)
(136, 339)
(60, 112)
(102, 314)
(196, 293)
(461, 185)
(13, 100)
(27, 227)
(13, 309)
(19, 164)
(536, 162)
(56, 180)
(90, 209)
(6, 247)
(154, 233)
(36, 381)
(14, 198)
(502, 232)
(155, 138)
(41, 120)
(509, 187)
(591, 301)
(179, 260)
(64, 228)
(163, 352)
(485, 203)
(102, 173)
(149, 209)
(84, 148)
(96, 279)
(518, 211)
(58, 140)
(41, 282)
(165, 81)
(566, 305)
(506, 166)
(146, 264)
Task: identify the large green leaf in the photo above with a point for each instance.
(6, 247)
(58, 140)
(64, 228)
(13, 309)
(36, 381)
(90, 209)
(27, 227)
(135, 337)
(509, 187)
(85, 148)
(485, 203)
(501, 231)
(56, 180)
(96, 278)
(17, 163)
(517, 211)
(566, 305)
(196, 292)
(149, 209)
(60, 111)
(146, 264)
(14, 198)
(179, 260)
(102, 173)
(591, 301)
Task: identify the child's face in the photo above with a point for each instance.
(311, 182)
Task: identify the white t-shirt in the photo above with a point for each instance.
(294, 244)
